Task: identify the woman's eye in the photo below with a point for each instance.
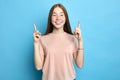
(61, 15)
(54, 14)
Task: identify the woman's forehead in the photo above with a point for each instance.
(58, 9)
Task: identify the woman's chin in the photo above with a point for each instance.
(58, 26)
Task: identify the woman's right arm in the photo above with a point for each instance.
(38, 56)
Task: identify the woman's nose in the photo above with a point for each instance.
(58, 17)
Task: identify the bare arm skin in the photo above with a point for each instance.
(79, 55)
(38, 57)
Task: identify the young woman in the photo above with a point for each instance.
(56, 51)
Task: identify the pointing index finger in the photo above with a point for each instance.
(79, 24)
(35, 27)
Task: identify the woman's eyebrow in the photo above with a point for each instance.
(60, 12)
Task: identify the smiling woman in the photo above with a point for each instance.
(58, 18)
(55, 51)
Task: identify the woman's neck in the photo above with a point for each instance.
(58, 31)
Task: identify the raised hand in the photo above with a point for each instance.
(77, 32)
(36, 34)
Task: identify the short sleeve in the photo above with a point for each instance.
(75, 45)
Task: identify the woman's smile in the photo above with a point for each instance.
(58, 22)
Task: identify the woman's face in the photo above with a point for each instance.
(58, 18)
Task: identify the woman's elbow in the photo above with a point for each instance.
(38, 67)
(80, 65)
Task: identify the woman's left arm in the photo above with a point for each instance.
(79, 55)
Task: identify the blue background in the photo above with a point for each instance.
(100, 25)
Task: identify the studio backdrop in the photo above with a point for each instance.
(100, 26)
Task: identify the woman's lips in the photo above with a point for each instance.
(58, 22)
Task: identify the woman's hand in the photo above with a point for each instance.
(36, 34)
(77, 32)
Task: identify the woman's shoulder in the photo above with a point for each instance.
(47, 36)
(70, 35)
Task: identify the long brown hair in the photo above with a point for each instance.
(67, 27)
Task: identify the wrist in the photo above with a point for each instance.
(80, 48)
(79, 39)
(36, 43)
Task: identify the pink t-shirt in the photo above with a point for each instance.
(58, 50)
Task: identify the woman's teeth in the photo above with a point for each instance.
(58, 22)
